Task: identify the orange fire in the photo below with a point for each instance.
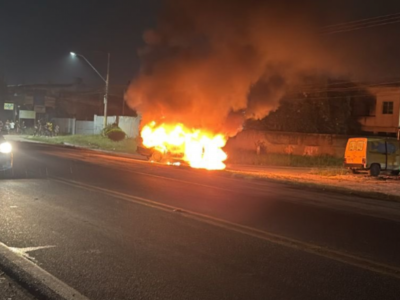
(200, 148)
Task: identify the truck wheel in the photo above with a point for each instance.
(395, 172)
(374, 170)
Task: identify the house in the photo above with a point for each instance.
(40, 101)
(384, 117)
(76, 100)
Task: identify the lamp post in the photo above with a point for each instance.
(106, 80)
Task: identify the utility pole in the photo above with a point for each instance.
(106, 92)
(106, 80)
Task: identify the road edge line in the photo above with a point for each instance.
(37, 281)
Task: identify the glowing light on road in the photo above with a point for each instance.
(5, 148)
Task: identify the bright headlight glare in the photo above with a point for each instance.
(5, 148)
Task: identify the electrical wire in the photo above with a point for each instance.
(362, 20)
(361, 24)
(353, 88)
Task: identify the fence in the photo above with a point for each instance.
(67, 125)
(84, 127)
(289, 143)
(130, 125)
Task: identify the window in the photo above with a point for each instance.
(360, 146)
(352, 146)
(391, 148)
(387, 108)
(379, 147)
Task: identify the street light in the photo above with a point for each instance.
(106, 80)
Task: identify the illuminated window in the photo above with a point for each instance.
(360, 146)
(387, 108)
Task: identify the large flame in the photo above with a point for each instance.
(200, 148)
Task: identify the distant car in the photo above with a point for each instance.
(6, 156)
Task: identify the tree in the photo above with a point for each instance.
(319, 109)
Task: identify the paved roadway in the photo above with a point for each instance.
(9, 290)
(116, 228)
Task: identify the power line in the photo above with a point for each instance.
(329, 98)
(363, 20)
(354, 88)
(361, 24)
(358, 28)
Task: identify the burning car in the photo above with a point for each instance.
(175, 144)
(154, 154)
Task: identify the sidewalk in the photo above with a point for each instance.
(334, 179)
(19, 138)
(257, 169)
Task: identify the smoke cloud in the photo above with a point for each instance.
(212, 64)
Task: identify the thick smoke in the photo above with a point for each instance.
(212, 64)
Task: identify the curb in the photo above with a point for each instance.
(110, 153)
(34, 279)
(73, 146)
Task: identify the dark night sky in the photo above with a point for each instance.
(36, 36)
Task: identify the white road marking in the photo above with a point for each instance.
(25, 251)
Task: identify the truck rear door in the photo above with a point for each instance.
(356, 151)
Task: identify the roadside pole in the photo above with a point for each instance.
(106, 94)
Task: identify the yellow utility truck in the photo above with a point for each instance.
(374, 155)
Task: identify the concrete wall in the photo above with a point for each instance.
(84, 127)
(130, 125)
(67, 125)
(288, 143)
(99, 123)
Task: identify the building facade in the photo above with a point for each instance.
(384, 117)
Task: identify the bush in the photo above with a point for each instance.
(108, 128)
(115, 134)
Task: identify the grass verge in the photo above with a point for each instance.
(274, 159)
(328, 172)
(90, 141)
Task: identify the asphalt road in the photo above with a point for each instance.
(116, 228)
(9, 290)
